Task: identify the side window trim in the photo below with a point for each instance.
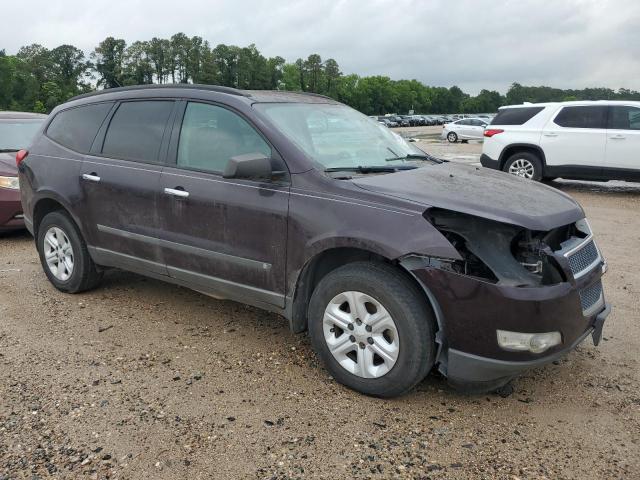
(172, 154)
(98, 145)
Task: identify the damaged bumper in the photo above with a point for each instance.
(474, 313)
(471, 312)
(470, 372)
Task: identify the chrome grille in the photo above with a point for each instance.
(582, 259)
(590, 296)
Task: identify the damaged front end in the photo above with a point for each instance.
(512, 295)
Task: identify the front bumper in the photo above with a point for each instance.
(10, 210)
(471, 310)
(473, 373)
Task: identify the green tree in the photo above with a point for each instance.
(108, 60)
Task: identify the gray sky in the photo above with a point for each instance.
(470, 43)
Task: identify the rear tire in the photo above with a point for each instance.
(452, 137)
(524, 164)
(400, 349)
(64, 255)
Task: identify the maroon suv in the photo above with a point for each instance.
(17, 129)
(394, 261)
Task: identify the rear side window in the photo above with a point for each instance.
(582, 117)
(136, 129)
(515, 116)
(76, 128)
(624, 118)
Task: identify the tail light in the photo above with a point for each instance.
(20, 156)
(490, 132)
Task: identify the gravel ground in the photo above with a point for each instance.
(140, 379)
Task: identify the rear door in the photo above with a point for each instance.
(120, 182)
(476, 128)
(623, 142)
(225, 236)
(576, 137)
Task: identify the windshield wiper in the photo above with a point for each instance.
(8, 150)
(371, 169)
(417, 156)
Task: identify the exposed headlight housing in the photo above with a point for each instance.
(11, 183)
(528, 342)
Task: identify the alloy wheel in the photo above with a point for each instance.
(58, 253)
(360, 334)
(522, 168)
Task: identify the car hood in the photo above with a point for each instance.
(481, 192)
(8, 164)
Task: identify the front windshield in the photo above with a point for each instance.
(336, 136)
(16, 134)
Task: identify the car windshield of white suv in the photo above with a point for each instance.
(17, 134)
(337, 137)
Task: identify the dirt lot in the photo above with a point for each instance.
(141, 379)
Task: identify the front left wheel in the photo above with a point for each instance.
(64, 255)
(372, 328)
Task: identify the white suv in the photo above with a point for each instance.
(597, 140)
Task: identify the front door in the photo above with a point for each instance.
(223, 236)
(121, 181)
(623, 141)
(576, 137)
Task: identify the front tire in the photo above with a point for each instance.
(372, 328)
(525, 165)
(64, 255)
(452, 137)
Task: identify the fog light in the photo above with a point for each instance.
(532, 342)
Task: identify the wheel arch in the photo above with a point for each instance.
(513, 148)
(325, 261)
(46, 204)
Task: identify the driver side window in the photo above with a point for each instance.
(211, 135)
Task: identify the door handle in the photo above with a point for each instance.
(617, 137)
(550, 134)
(177, 192)
(92, 177)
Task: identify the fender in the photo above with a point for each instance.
(533, 146)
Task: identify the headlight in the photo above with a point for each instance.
(532, 342)
(10, 182)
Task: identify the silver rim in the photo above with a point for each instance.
(361, 335)
(522, 168)
(452, 137)
(58, 253)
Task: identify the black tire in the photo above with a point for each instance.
(532, 158)
(84, 275)
(408, 307)
(452, 137)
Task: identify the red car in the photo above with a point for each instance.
(17, 129)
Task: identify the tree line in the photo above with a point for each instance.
(37, 79)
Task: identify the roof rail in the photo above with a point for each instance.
(192, 86)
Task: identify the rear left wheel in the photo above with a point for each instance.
(525, 165)
(64, 255)
(372, 328)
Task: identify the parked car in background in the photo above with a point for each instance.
(588, 140)
(276, 199)
(464, 129)
(17, 130)
(388, 122)
(429, 120)
(402, 122)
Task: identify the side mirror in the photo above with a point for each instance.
(249, 165)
